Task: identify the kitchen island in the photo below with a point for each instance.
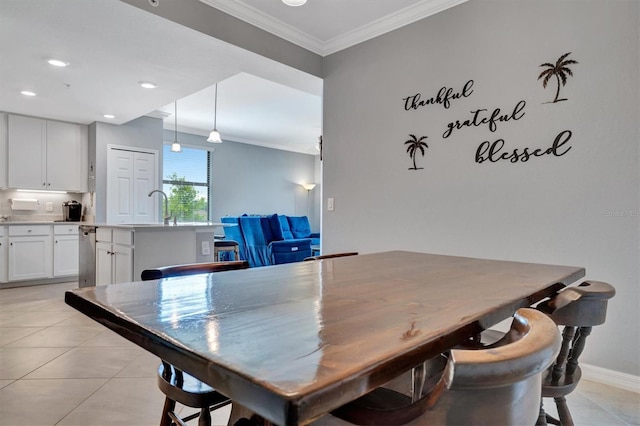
(122, 251)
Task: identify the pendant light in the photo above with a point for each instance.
(294, 3)
(214, 136)
(175, 146)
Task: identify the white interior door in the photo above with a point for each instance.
(131, 175)
(145, 207)
(120, 186)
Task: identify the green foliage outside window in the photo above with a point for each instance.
(187, 181)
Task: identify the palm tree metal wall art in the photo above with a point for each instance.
(560, 71)
(415, 145)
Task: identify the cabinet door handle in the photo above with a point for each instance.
(108, 252)
(29, 230)
(56, 241)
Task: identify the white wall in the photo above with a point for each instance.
(143, 132)
(256, 180)
(577, 209)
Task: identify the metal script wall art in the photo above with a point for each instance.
(416, 145)
(492, 118)
(560, 71)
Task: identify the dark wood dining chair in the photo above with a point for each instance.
(192, 269)
(578, 309)
(330, 256)
(496, 385)
(176, 385)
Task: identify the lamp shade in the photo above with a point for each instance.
(294, 2)
(214, 137)
(308, 186)
(175, 147)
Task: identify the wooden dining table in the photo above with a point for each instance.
(293, 342)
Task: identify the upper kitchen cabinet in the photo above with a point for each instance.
(3, 150)
(45, 154)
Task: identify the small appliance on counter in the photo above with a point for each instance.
(71, 211)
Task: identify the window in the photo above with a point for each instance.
(186, 181)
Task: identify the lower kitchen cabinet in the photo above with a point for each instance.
(30, 252)
(114, 256)
(65, 250)
(3, 254)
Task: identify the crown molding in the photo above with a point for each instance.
(266, 22)
(383, 25)
(388, 23)
(158, 114)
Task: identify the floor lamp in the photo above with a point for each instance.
(308, 187)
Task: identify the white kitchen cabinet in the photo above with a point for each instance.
(3, 150)
(65, 250)
(104, 263)
(65, 156)
(26, 152)
(3, 254)
(114, 256)
(45, 154)
(122, 263)
(30, 252)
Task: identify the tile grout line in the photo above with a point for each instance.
(603, 408)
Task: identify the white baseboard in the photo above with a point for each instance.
(613, 378)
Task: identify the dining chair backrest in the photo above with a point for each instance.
(577, 309)
(331, 255)
(176, 385)
(192, 269)
(497, 385)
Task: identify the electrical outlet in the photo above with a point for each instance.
(330, 204)
(49, 206)
(206, 249)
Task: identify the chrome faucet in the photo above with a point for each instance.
(166, 205)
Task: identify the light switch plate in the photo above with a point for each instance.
(205, 248)
(49, 206)
(330, 204)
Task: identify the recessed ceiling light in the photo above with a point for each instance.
(294, 2)
(57, 63)
(148, 84)
(28, 93)
(109, 116)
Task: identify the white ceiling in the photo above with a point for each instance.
(111, 46)
(327, 26)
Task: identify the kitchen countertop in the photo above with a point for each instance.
(160, 226)
(182, 225)
(41, 222)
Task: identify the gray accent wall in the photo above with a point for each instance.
(579, 209)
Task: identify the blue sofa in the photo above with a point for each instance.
(296, 227)
(271, 240)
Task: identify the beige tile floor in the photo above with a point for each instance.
(57, 367)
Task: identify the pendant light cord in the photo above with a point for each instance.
(175, 115)
(215, 109)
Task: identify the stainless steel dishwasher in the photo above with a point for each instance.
(87, 256)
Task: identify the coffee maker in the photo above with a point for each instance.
(71, 211)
